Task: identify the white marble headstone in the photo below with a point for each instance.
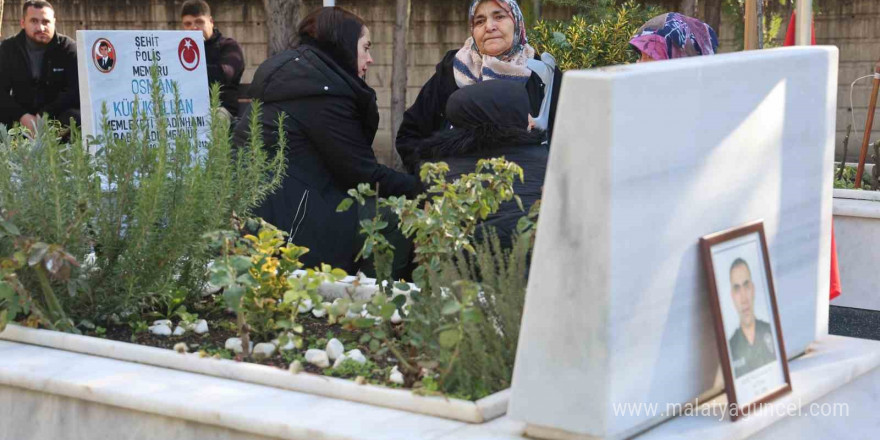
(645, 160)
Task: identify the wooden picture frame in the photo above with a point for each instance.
(737, 267)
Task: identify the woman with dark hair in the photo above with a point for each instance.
(497, 50)
(331, 120)
(491, 119)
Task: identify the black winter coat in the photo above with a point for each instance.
(55, 92)
(225, 63)
(462, 148)
(331, 120)
(427, 114)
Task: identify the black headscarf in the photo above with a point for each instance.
(485, 117)
(499, 103)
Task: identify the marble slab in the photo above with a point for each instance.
(47, 393)
(857, 235)
(836, 385)
(479, 411)
(645, 160)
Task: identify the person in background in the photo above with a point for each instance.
(498, 49)
(491, 119)
(331, 121)
(223, 55)
(38, 72)
(673, 35)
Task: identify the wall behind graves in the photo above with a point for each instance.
(854, 27)
(439, 25)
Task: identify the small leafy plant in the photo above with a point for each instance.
(472, 291)
(441, 221)
(257, 272)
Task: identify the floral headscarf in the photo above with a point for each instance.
(470, 66)
(673, 35)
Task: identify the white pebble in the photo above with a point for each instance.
(287, 347)
(234, 344)
(356, 356)
(319, 313)
(334, 349)
(162, 322)
(264, 350)
(395, 318)
(161, 330)
(396, 376)
(295, 367)
(179, 331)
(305, 305)
(211, 289)
(339, 361)
(201, 327)
(317, 357)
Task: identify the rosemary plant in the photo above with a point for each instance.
(133, 210)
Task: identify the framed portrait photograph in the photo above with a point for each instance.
(747, 326)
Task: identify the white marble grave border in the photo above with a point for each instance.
(74, 396)
(480, 411)
(857, 231)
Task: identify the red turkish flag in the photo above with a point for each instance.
(789, 33)
(835, 272)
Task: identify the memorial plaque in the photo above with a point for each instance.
(645, 160)
(115, 70)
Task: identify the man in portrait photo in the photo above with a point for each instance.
(105, 63)
(751, 346)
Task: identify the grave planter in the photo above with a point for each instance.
(857, 234)
(480, 411)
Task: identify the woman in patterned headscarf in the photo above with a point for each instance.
(673, 35)
(497, 49)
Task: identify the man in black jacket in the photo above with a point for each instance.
(225, 60)
(38, 73)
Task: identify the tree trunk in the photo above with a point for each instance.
(1, 17)
(689, 7)
(710, 13)
(282, 19)
(398, 76)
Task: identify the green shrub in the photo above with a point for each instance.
(463, 325)
(46, 263)
(471, 328)
(133, 212)
(600, 38)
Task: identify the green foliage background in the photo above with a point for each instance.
(598, 36)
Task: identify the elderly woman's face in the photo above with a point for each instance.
(493, 29)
